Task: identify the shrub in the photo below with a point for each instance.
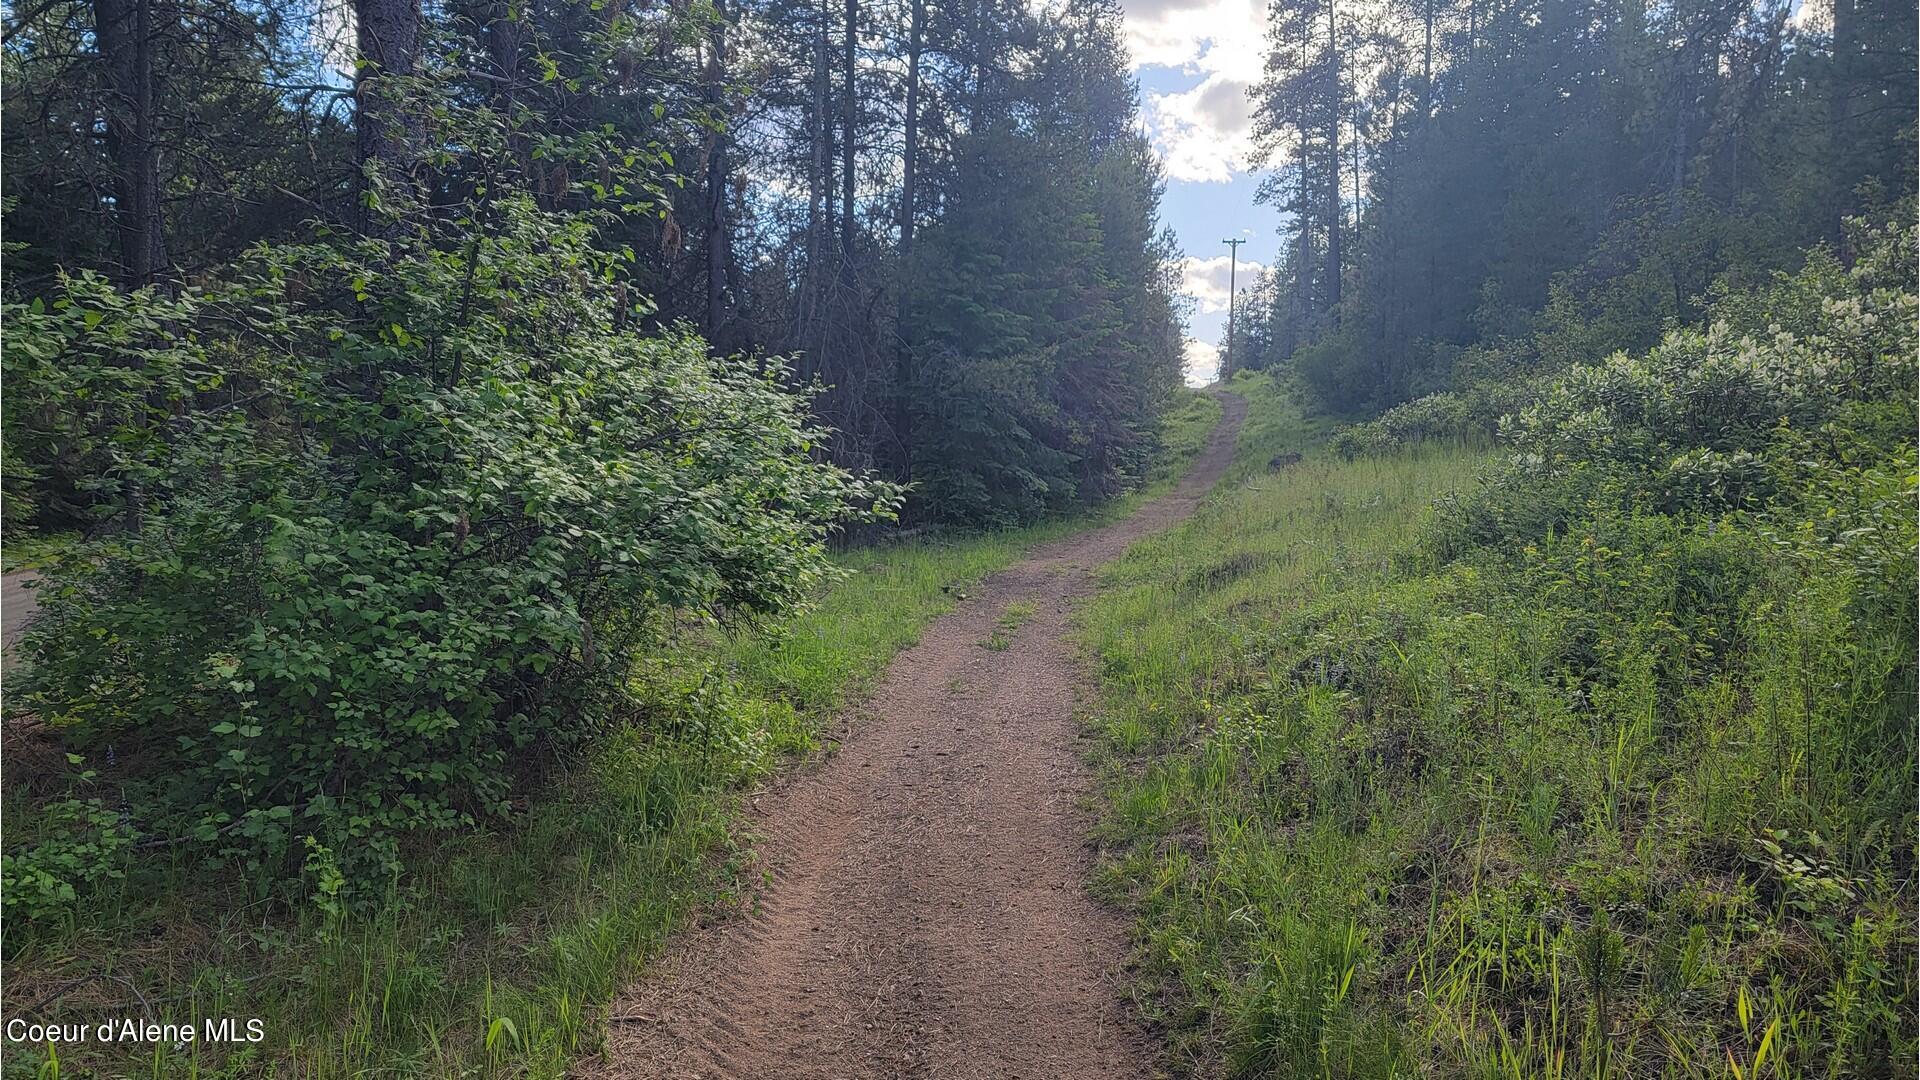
(86, 844)
(383, 525)
(1779, 345)
(1470, 413)
(1442, 415)
(1732, 417)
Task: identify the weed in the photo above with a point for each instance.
(1011, 619)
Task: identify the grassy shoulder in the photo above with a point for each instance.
(497, 952)
(1276, 426)
(1188, 424)
(1632, 799)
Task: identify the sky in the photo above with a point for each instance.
(1195, 60)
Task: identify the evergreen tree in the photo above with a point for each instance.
(1042, 320)
(1547, 182)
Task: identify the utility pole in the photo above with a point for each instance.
(1233, 267)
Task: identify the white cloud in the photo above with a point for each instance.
(1205, 280)
(1203, 362)
(1812, 16)
(1202, 134)
(1227, 36)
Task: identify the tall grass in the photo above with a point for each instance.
(1634, 801)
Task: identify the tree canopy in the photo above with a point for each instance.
(1476, 188)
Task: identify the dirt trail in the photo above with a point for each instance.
(926, 914)
(16, 604)
(16, 607)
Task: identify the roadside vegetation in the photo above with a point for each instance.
(438, 485)
(1586, 752)
(492, 951)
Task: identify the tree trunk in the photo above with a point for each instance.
(1846, 31)
(503, 48)
(124, 33)
(973, 65)
(820, 167)
(911, 153)
(1334, 212)
(1357, 149)
(1677, 152)
(850, 120)
(1426, 66)
(719, 229)
(1846, 46)
(388, 37)
(903, 374)
(1288, 341)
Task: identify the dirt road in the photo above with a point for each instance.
(926, 914)
(16, 607)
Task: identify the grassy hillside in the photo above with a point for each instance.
(496, 951)
(1591, 754)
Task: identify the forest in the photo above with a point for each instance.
(945, 218)
(623, 538)
(1479, 193)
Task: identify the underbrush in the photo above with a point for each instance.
(494, 952)
(1591, 756)
(536, 925)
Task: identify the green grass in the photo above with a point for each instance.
(499, 951)
(539, 925)
(1188, 424)
(1275, 425)
(1011, 619)
(1381, 812)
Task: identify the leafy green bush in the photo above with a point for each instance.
(1721, 419)
(85, 373)
(1499, 385)
(1436, 416)
(85, 844)
(384, 523)
(1470, 413)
